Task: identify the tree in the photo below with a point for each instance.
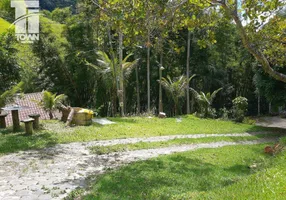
(110, 72)
(61, 14)
(51, 102)
(205, 100)
(9, 68)
(260, 13)
(176, 88)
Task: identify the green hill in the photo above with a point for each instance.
(4, 25)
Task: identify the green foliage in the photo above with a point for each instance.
(270, 88)
(239, 109)
(176, 88)
(6, 11)
(58, 60)
(205, 102)
(8, 95)
(110, 73)
(9, 69)
(51, 102)
(61, 14)
(52, 4)
(223, 113)
(51, 71)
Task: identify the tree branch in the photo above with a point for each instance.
(247, 44)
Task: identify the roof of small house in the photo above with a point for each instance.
(30, 100)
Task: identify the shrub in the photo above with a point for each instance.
(224, 113)
(239, 108)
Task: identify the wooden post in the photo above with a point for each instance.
(36, 123)
(2, 120)
(16, 121)
(29, 126)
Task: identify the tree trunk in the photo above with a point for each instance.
(250, 47)
(114, 91)
(160, 85)
(51, 115)
(121, 93)
(148, 72)
(188, 71)
(137, 90)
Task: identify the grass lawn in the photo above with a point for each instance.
(222, 173)
(54, 132)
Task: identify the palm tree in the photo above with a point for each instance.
(205, 100)
(51, 102)
(109, 69)
(176, 88)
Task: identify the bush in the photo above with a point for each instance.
(224, 113)
(239, 108)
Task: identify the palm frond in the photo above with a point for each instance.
(126, 58)
(9, 94)
(213, 95)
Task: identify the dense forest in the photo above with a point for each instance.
(109, 56)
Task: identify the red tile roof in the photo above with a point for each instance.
(29, 100)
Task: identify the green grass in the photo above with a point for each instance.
(145, 127)
(175, 142)
(55, 132)
(222, 173)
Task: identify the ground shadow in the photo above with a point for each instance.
(11, 142)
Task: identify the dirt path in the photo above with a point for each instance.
(53, 172)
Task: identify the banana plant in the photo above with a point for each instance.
(205, 100)
(176, 88)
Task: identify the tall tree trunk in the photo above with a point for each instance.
(121, 92)
(160, 85)
(260, 57)
(114, 92)
(188, 71)
(137, 90)
(148, 72)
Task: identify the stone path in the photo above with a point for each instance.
(53, 172)
(169, 137)
(277, 122)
